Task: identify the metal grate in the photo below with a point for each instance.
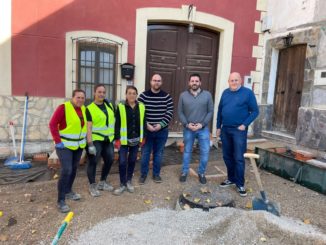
(95, 60)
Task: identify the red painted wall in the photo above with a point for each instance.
(39, 27)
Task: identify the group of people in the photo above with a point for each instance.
(143, 122)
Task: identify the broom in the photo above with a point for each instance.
(12, 159)
(22, 164)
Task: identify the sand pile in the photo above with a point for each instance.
(218, 226)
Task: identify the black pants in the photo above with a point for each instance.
(105, 150)
(127, 162)
(69, 162)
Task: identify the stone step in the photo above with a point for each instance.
(280, 136)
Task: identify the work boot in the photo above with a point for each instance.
(202, 178)
(104, 186)
(63, 207)
(130, 187)
(73, 196)
(120, 190)
(157, 179)
(93, 190)
(142, 179)
(183, 177)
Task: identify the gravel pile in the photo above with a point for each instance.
(218, 226)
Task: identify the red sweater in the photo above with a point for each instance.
(58, 121)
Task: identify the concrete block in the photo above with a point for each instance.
(259, 63)
(257, 27)
(257, 52)
(256, 76)
(262, 5)
(261, 40)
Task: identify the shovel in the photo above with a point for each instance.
(261, 203)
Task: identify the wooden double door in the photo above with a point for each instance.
(289, 85)
(174, 53)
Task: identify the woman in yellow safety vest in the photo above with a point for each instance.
(100, 136)
(129, 135)
(68, 129)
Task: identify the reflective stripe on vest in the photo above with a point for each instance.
(99, 128)
(123, 126)
(73, 136)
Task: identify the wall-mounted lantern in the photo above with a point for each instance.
(287, 40)
(191, 26)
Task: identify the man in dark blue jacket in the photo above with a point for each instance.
(237, 109)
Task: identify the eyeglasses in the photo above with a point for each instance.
(157, 81)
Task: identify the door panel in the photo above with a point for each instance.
(289, 84)
(175, 54)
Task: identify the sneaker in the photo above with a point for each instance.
(183, 177)
(142, 179)
(130, 187)
(63, 207)
(226, 183)
(157, 179)
(73, 196)
(242, 191)
(104, 186)
(120, 190)
(93, 190)
(202, 178)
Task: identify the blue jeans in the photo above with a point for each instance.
(204, 143)
(105, 150)
(234, 145)
(69, 160)
(127, 162)
(154, 141)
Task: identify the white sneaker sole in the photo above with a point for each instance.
(225, 186)
(243, 195)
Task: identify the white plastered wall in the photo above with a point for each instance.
(5, 47)
(180, 15)
(122, 56)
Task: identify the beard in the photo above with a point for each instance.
(194, 87)
(156, 87)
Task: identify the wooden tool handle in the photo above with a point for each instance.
(251, 155)
(252, 158)
(254, 166)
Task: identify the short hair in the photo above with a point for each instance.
(195, 75)
(98, 85)
(158, 75)
(78, 91)
(132, 87)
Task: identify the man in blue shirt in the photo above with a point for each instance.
(237, 109)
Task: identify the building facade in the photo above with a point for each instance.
(49, 48)
(291, 71)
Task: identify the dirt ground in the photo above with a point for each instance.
(30, 215)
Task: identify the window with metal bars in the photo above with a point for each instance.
(96, 64)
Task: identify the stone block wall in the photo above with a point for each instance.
(264, 120)
(38, 137)
(311, 130)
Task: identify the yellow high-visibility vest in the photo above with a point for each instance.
(73, 136)
(99, 128)
(123, 126)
